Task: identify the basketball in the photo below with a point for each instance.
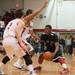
(47, 55)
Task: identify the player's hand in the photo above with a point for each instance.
(46, 1)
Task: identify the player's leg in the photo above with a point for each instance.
(20, 53)
(60, 59)
(9, 47)
(18, 63)
(4, 61)
(40, 61)
(7, 57)
(28, 61)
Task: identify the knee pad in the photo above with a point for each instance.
(27, 59)
(5, 59)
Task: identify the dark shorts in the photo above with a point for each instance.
(74, 44)
(57, 56)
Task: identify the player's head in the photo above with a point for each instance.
(29, 11)
(18, 13)
(48, 28)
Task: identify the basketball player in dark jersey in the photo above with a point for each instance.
(50, 42)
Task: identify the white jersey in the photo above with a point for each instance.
(10, 29)
(26, 34)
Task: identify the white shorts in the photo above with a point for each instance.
(12, 47)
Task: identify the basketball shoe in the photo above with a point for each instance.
(1, 71)
(64, 71)
(38, 68)
(19, 66)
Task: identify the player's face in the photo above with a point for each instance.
(47, 30)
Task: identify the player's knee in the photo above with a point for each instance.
(5, 59)
(61, 60)
(27, 59)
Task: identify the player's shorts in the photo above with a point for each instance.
(57, 56)
(12, 47)
(73, 44)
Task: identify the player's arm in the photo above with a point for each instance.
(56, 47)
(38, 10)
(19, 30)
(34, 36)
(56, 42)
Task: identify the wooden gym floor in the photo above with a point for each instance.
(48, 67)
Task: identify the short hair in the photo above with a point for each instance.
(48, 26)
(18, 13)
(29, 11)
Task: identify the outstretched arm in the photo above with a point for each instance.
(38, 10)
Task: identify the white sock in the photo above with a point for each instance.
(64, 65)
(30, 68)
(1, 64)
(18, 61)
(1, 67)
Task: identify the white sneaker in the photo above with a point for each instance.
(65, 71)
(19, 66)
(1, 72)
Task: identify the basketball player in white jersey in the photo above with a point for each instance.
(27, 33)
(12, 39)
